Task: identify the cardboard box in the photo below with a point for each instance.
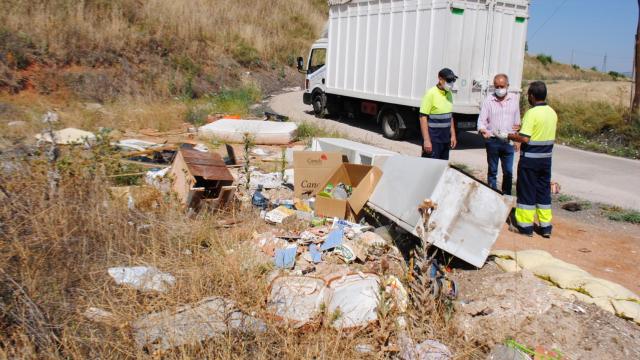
(362, 178)
(312, 169)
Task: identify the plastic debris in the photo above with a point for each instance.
(134, 144)
(426, 350)
(286, 258)
(353, 300)
(316, 255)
(280, 215)
(267, 181)
(394, 287)
(345, 252)
(101, 316)
(333, 239)
(296, 299)
(214, 316)
(144, 278)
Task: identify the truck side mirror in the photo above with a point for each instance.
(300, 63)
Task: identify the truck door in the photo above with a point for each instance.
(316, 69)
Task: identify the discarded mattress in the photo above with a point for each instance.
(468, 217)
(353, 300)
(261, 132)
(69, 136)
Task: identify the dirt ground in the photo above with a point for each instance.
(494, 306)
(604, 249)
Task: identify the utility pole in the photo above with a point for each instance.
(604, 62)
(636, 98)
(572, 51)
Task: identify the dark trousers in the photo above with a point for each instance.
(500, 151)
(438, 151)
(534, 194)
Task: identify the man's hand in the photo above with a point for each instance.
(485, 133)
(454, 141)
(501, 135)
(516, 128)
(426, 146)
(516, 147)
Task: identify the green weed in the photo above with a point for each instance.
(616, 213)
(307, 131)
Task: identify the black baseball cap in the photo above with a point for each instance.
(447, 74)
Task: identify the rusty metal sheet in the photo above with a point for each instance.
(208, 165)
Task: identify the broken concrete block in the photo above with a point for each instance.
(190, 324)
(144, 278)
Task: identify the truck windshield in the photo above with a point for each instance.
(317, 59)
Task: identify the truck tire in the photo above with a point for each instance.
(319, 102)
(392, 123)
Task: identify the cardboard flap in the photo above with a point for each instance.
(364, 189)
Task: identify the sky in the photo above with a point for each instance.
(588, 28)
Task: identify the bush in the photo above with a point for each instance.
(616, 75)
(575, 67)
(545, 59)
(245, 54)
(599, 126)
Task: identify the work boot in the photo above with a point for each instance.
(546, 232)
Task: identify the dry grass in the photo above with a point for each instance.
(535, 69)
(72, 30)
(55, 251)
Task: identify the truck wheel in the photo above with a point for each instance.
(319, 102)
(392, 123)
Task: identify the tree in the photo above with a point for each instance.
(636, 94)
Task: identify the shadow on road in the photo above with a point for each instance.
(466, 140)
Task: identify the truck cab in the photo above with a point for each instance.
(315, 80)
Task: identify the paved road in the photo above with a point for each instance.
(590, 176)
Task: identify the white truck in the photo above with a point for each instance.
(379, 57)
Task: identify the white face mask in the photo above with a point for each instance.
(448, 86)
(501, 92)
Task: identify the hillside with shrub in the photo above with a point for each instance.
(104, 50)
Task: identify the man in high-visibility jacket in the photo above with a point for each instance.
(537, 135)
(436, 118)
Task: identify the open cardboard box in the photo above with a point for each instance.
(363, 180)
(312, 169)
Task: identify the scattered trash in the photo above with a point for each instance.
(214, 316)
(364, 348)
(393, 286)
(144, 278)
(345, 252)
(16, 123)
(269, 116)
(258, 199)
(286, 258)
(199, 177)
(280, 215)
(316, 255)
(261, 132)
(68, 136)
(296, 299)
(267, 181)
(333, 239)
(260, 152)
(353, 300)
(102, 316)
(155, 178)
(426, 350)
(134, 145)
(572, 206)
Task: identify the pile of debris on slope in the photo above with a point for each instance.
(332, 268)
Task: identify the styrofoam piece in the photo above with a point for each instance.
(261, 132)
(134, 144)
(68, 136)
(145, 278)
(356, 152)
(469, 215)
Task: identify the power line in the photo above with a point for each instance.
(546, 21)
